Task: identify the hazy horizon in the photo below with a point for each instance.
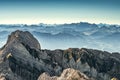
(59, 11)
(55, 23)
(102, 37)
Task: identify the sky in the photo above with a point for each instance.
(59, 11)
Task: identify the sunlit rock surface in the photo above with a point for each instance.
(67, 74)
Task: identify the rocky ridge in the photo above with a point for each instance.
(23, 59)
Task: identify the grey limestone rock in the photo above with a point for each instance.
(22, 58)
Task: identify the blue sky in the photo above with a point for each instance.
(59, 11)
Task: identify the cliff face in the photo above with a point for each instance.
(16, 60)
(23, 59)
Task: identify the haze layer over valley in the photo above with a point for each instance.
(74, 35)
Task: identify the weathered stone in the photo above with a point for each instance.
(22, 59)
(67, 74)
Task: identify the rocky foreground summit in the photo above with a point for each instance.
(22, 58)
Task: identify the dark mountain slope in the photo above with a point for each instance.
(23, 59)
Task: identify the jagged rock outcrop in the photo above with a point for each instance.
(25, 38)
(67, 74)
(23, 59)
(18, 56)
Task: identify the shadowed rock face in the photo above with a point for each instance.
(16, 57)
(23, 59)
(25, 38)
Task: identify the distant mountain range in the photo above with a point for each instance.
(98, 36)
